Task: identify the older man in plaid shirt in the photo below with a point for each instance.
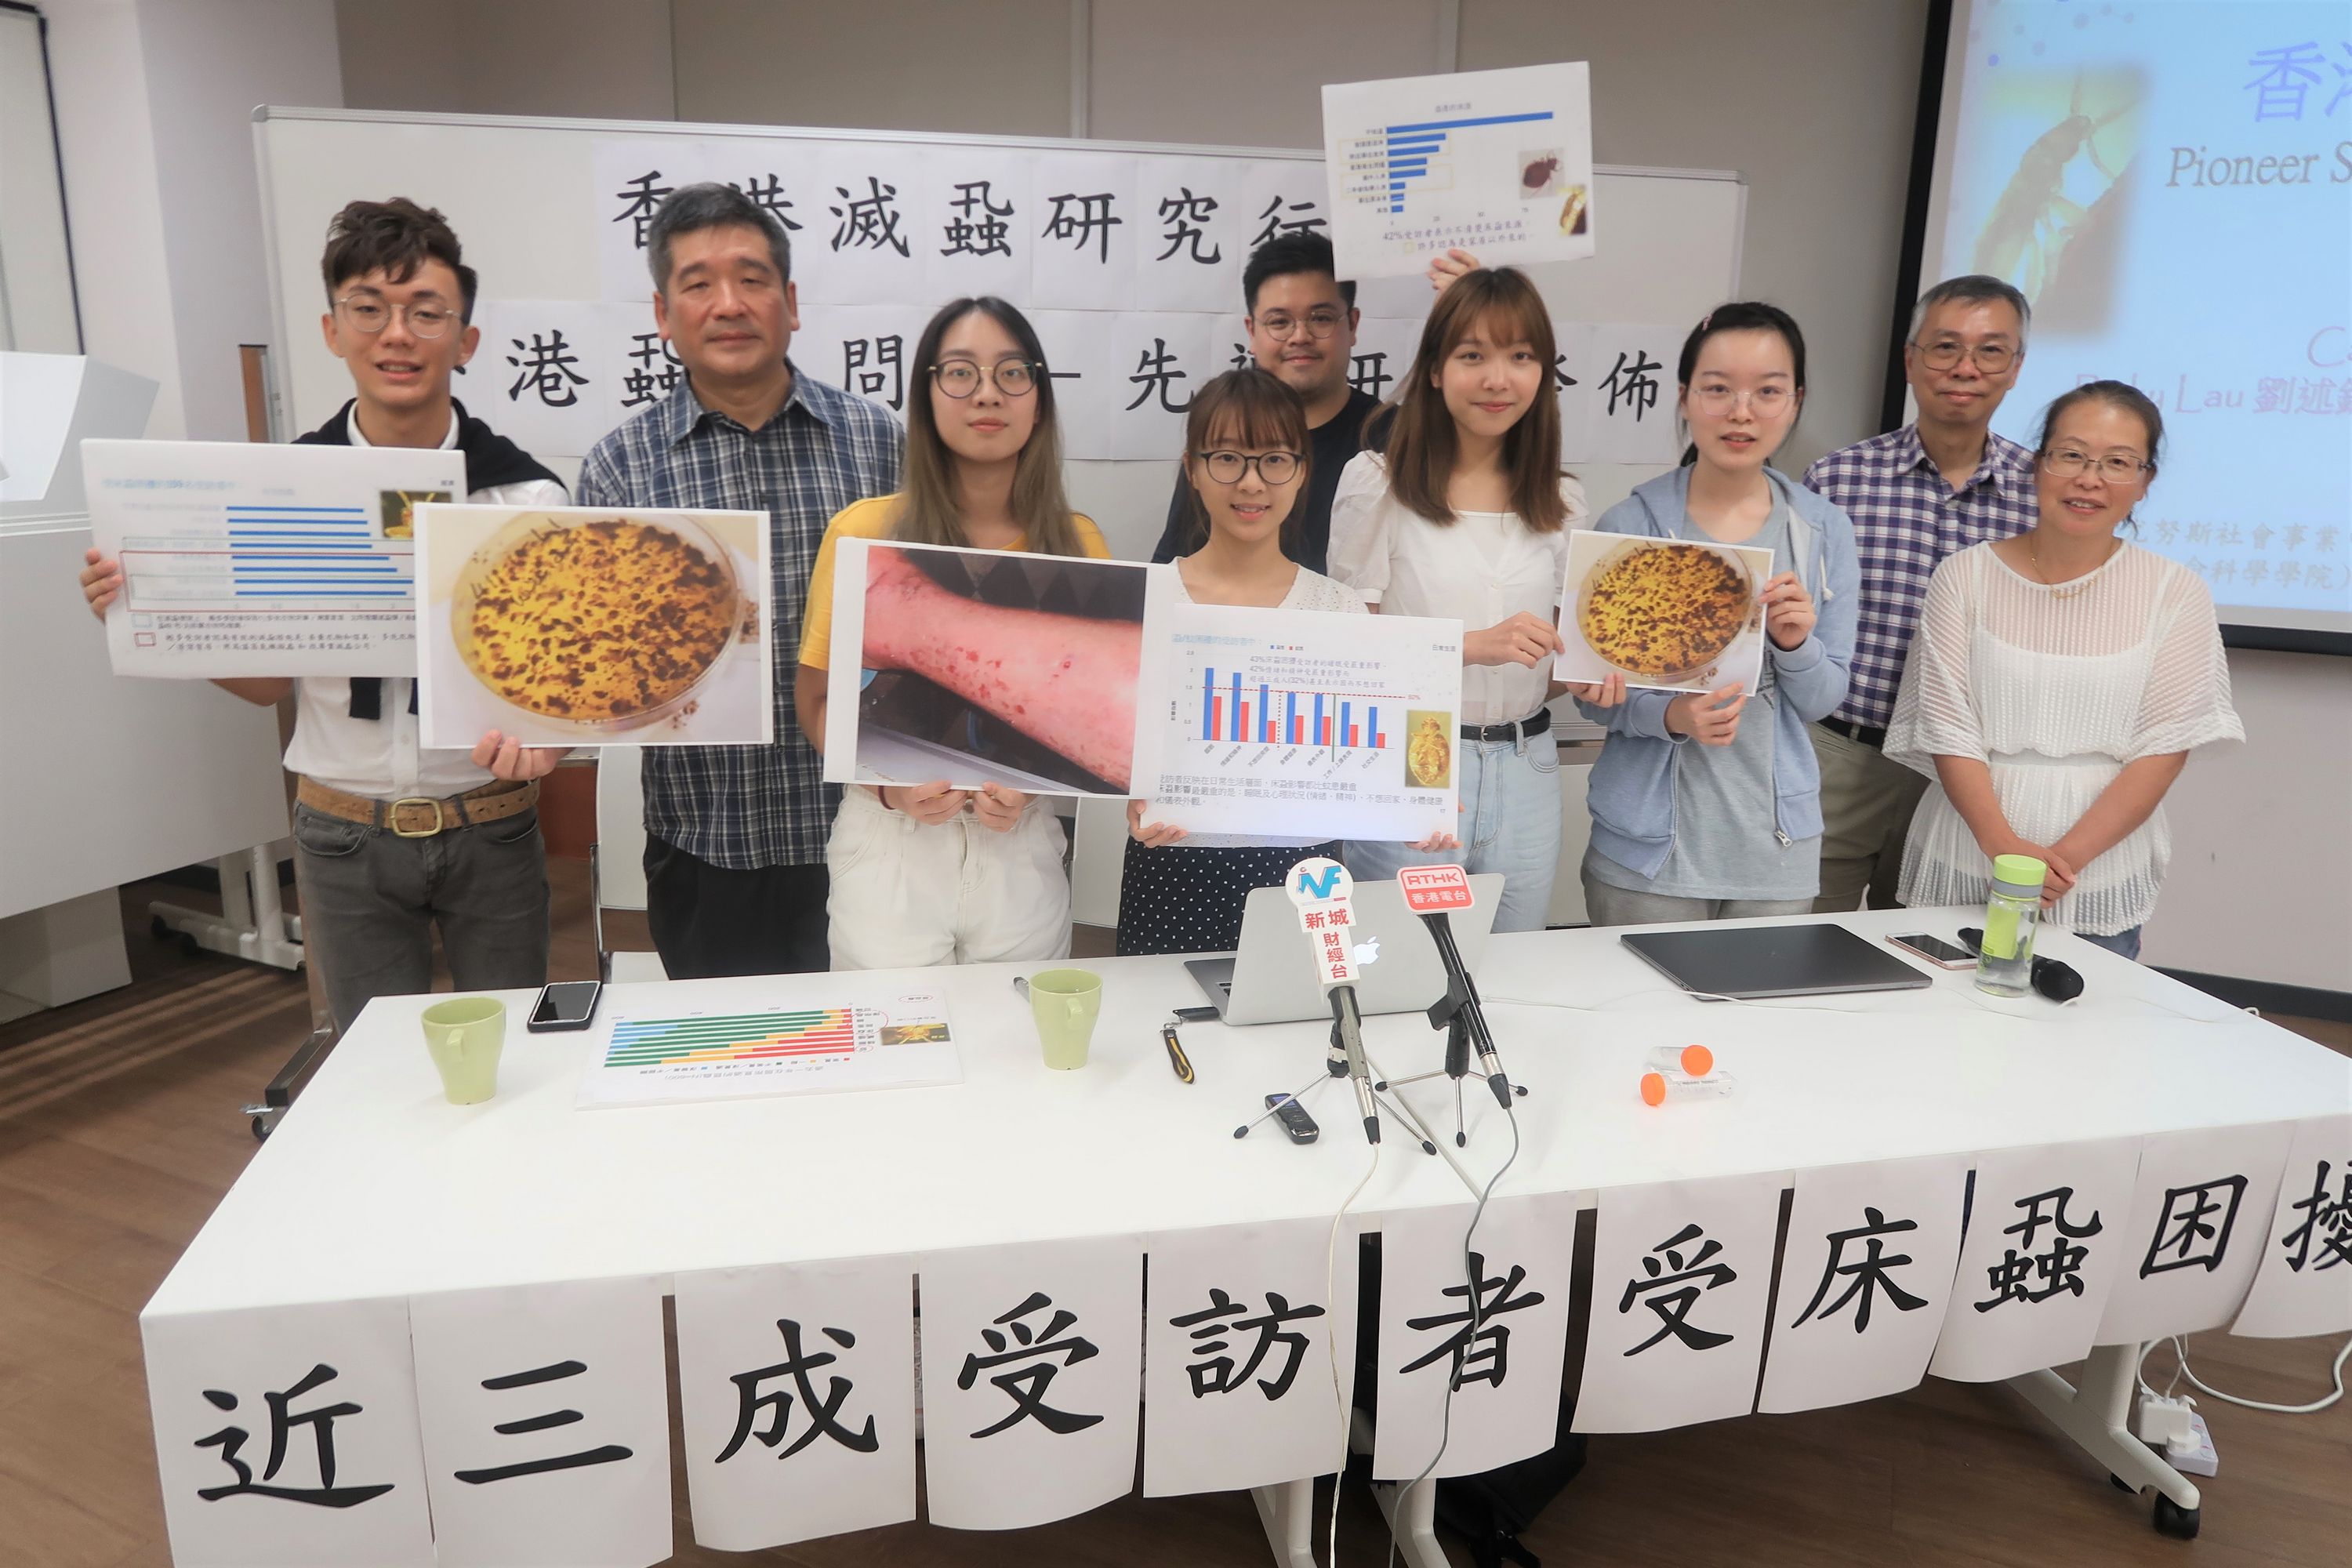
(735, 877)
(1915, 495)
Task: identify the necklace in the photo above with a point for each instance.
(2074, 587)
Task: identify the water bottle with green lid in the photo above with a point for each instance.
(2005, 960)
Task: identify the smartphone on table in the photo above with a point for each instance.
(566, 1005)
(1935, 950)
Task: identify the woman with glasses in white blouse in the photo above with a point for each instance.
(1465, 514)
(2057, 684)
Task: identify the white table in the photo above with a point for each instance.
(386, 1182)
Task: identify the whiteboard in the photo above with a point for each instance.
(524, 197)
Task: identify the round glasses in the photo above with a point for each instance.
(1990, 358)
(1276, 469)
(1282, 323)
(1014, 377)
(372, 316)
(2066, 462)
(1764, 402)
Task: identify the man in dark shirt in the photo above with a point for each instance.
(1302, 327)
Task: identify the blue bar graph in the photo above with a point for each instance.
(1209, 705)
(1233, 713)
(1407, 150)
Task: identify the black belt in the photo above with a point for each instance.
(1870, 735)
(1518, 728)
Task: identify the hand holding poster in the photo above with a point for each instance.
(1668, 614)
(1498, 163)
(588, 627)
(250, 560)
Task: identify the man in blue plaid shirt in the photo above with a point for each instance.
(735, 877)
(1917, 495)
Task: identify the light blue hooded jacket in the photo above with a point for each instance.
(1633, 792)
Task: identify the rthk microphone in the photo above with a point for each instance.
(1434, 892)
(1320, 889)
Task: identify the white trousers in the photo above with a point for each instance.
(907, 895)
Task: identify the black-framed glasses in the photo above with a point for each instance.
(2115, 468)
(1320, 322)
(1276, 469)
(1014, 377)
(368, 314)
(1990, 358)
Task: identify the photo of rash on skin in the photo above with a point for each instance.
(1021, 663)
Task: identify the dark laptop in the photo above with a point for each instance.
(1749, 962)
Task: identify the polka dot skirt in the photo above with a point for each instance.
(1179, 899)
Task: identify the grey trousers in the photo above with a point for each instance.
(371, 899)
(1611, 906)
(1868, 803)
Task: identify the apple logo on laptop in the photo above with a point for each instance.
(1368, 952)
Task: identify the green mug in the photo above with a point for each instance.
(466, 1036)
(1066, 1002)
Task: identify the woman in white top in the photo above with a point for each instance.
(2057, 684)
(1465, 515)
(1246, 454)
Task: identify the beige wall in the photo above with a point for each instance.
(581, 59)
(1001, 69)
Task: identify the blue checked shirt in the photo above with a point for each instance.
(1907, 520)
(745, 807)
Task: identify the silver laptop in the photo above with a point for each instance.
(1755, 962)
(1272, 979)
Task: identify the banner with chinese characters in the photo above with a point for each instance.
(528, 1425)
(1129, 265)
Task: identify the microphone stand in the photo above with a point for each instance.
(1458, 1012)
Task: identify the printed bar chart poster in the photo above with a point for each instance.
(790, 1048)
(254, 560)
(1497, 163)
(1294, 722)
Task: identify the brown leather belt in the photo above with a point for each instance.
(423, 815)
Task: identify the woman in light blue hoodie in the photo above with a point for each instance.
(1729, 827)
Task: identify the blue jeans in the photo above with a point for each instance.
(1509, 823)
(2126, 942)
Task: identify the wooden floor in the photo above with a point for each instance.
(120, 1130)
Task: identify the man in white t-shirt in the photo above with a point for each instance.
(393, 838)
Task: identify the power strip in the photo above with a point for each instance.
(2196, 1457)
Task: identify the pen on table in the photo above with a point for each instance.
(1176, 1057)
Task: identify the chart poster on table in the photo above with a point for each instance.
(595, 626)
(980, 667)
(286, 1436)
(1682, 1276)
(1239, 1365)
(1033, 1358)
(796, 1390)
(1497, 163)
(1300, 723)
(545, 1414)
(2045, 1248)
(2200, 1225)
(853, 1038)
(1493, 1325)
(256, 560)
(2305, 1285)
(1667, 614)
(1865, 1278)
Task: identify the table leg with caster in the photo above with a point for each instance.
(2097, 1416)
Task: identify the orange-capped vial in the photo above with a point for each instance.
(1697, 1061)
(1658, 1087)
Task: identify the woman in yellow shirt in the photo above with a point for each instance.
(926, 873)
